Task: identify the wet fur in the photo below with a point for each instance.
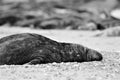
(32, 48)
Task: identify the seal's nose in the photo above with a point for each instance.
(93, 55)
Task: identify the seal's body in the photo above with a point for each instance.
(32, 48)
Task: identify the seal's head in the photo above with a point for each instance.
(86, 54)
(92, 55)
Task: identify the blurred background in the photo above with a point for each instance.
(85, 22)
(60, 14)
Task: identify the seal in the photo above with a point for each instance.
(31, 48)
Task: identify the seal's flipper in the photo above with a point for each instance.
(34, 61)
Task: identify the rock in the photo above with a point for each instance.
(88, 26)
(110, 32)
(9, 19)
(107, 23)
(115, 13)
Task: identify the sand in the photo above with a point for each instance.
(107, 69)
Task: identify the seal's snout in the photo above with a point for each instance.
(93, 55)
